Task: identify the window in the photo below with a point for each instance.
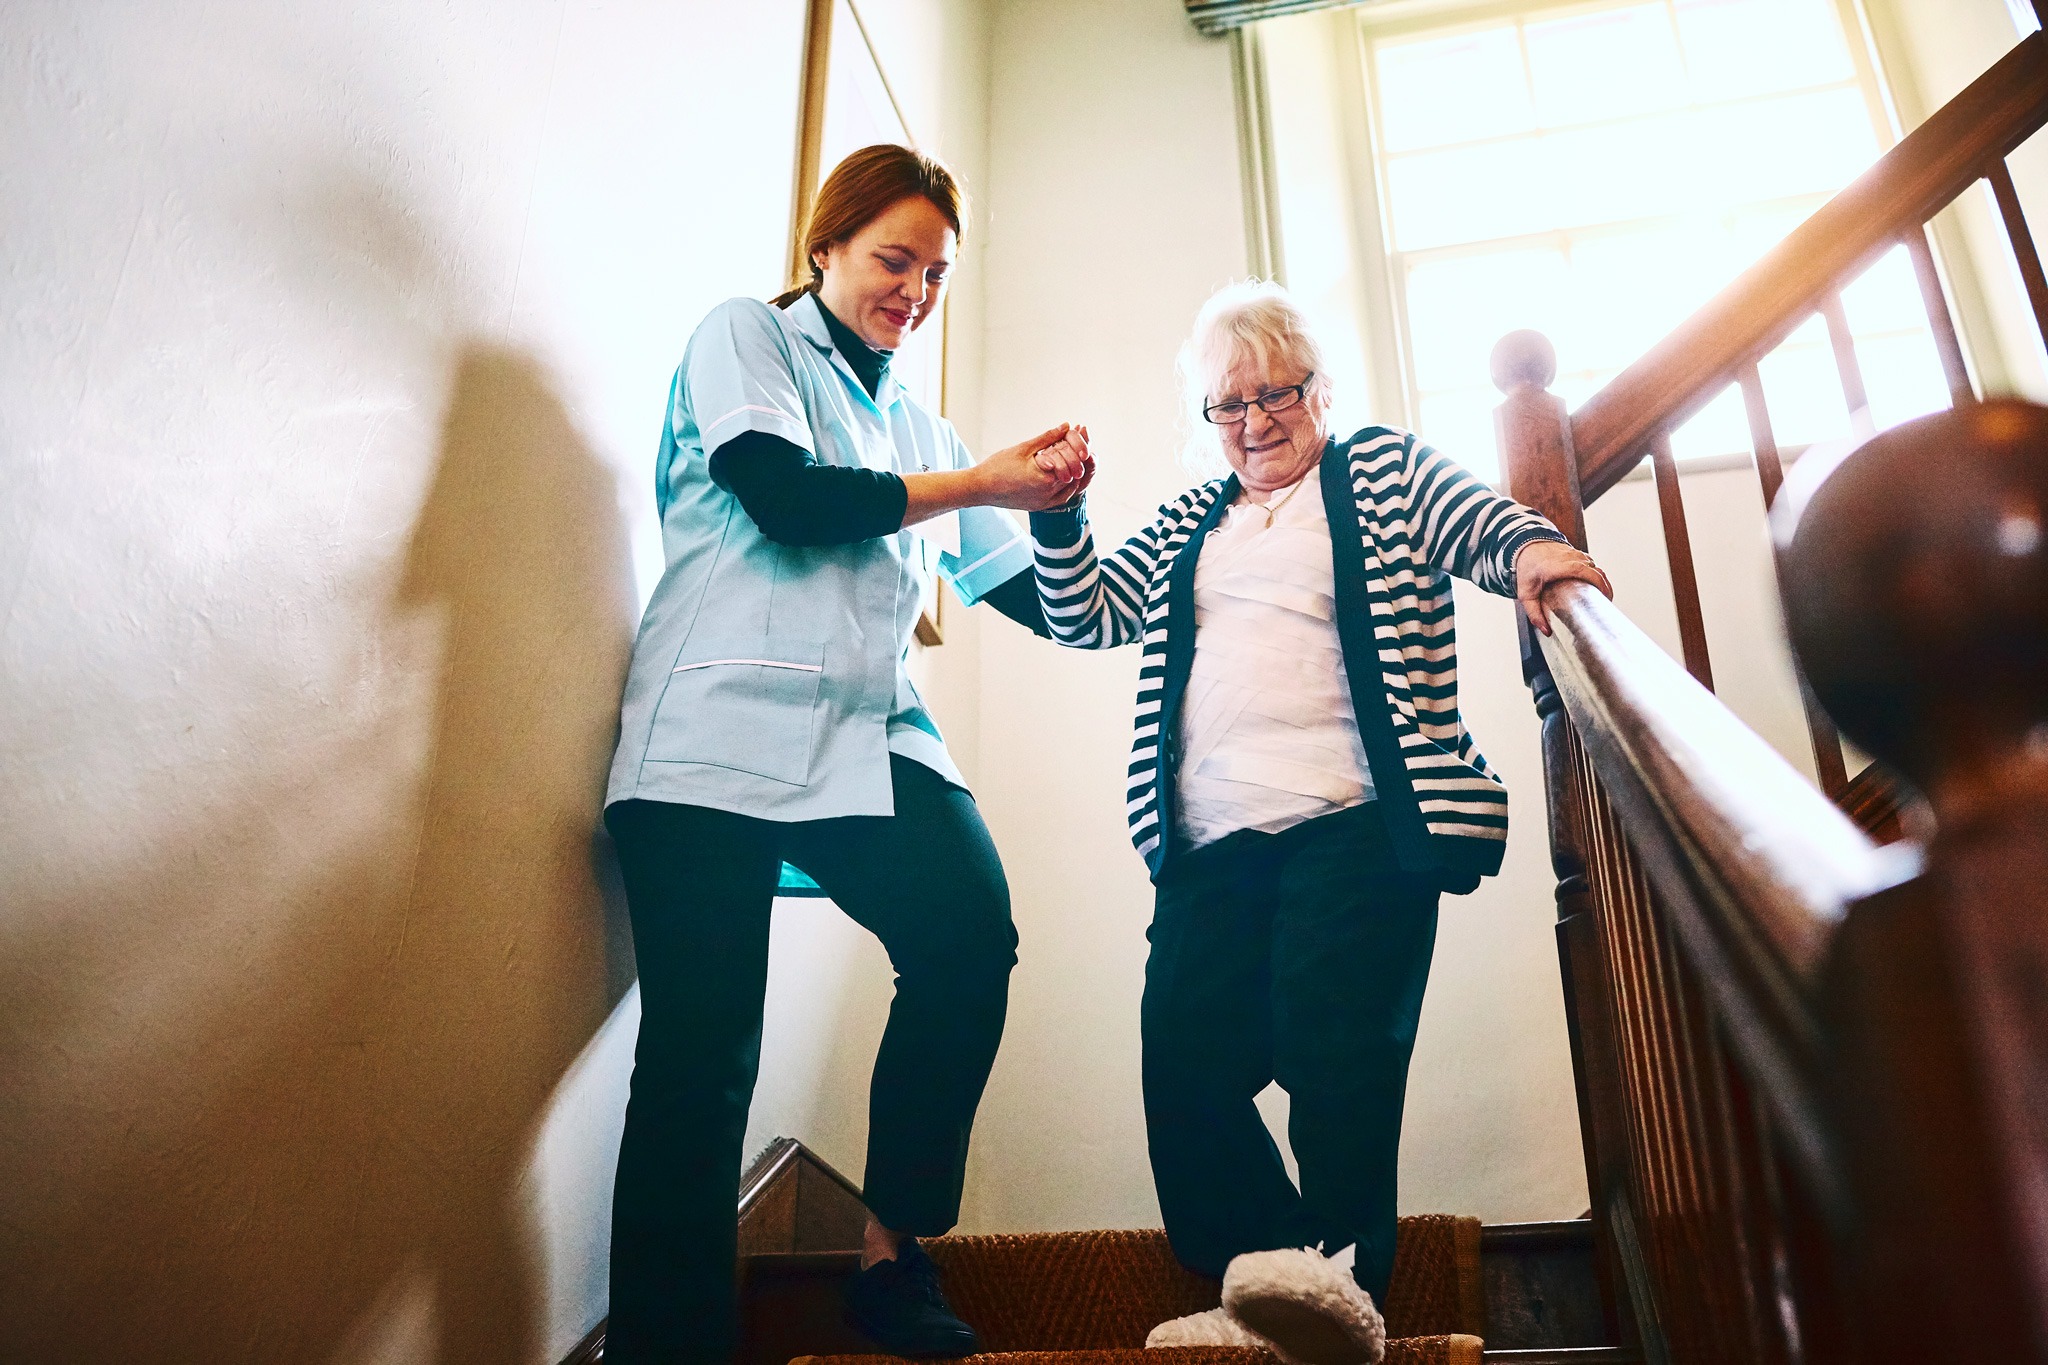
(1598, 171)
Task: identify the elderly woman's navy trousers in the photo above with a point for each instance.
(699, 883)
(1298, 957)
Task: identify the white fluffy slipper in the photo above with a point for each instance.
(1213, 1328)
(1307, 1305)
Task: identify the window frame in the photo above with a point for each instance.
(1390, 341)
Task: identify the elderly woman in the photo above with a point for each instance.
(1302, 787)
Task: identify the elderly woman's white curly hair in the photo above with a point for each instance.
(1251, 319)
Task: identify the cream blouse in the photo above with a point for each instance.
(1268, 735)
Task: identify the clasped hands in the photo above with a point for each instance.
(1047, 471)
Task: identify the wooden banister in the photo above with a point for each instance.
(1928, 168)
(1779, 855)
(1809, 1067)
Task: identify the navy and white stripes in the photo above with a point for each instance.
(1420, 518)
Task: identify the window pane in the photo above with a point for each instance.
(1640, 169)
(1609, 64)
(1779, 147)
(1886, 298)
(1750, 47)
(1719, 428)
(1630, 288)
(1472, 194)
(1902, 374)
(1460, 424)
(1802, 390)
(1459, 306)
(1456, 89)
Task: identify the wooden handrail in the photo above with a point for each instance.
(1909, 184)
(1789, 860)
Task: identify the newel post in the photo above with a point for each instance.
(1916, 598)
(1540, 470)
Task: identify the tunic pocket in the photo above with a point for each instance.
(748, 703)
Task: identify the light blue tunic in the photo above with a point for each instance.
(769, 679)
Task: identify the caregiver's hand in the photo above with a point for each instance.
(1542, 563)
(1043, 472)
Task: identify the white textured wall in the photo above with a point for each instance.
(334, 341)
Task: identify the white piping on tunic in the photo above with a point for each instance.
(762, 663)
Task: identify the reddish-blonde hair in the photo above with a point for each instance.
(860, 190)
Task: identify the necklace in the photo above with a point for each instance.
(1272, 509)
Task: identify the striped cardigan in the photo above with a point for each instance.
(1415, 516)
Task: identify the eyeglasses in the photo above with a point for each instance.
(1273, 400)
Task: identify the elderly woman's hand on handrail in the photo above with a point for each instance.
(1542, 563)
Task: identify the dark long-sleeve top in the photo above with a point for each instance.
(795, 500)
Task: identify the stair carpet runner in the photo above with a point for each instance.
(1089, 1298)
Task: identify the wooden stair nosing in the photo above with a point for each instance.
(1565, 1232)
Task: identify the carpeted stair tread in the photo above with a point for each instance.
(1435, 1289)
(1068, 1291)
(1074, 1291)
(1448, 1349)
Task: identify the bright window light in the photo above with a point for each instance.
(1597, 172)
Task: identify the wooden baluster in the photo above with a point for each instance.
(1740, 1244)
(1746, 1131)
(1828, 764)
(2022, 244)
(1685, 586)
(1853, 392)
(1940, 319)
(1770, 470)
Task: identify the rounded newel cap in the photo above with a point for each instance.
(1521, 359)
(1914, 570)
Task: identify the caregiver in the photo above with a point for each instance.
(768, 719)
(1303, 788)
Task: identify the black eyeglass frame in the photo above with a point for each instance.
(1299, 392)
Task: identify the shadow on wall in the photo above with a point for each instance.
(336, 1131)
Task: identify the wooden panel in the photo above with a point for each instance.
(1908, 185)
(1542, 1289)
(829, 1213)
(1938, 1218)
(790, 1306)
(769, 1223)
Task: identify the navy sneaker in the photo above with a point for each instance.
(900, 1306)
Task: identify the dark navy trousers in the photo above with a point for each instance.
(1298, 957)
(699, 884)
